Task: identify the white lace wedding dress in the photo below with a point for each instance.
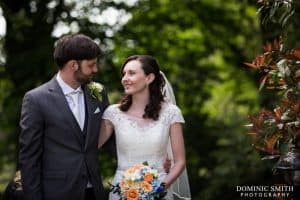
(139, 140)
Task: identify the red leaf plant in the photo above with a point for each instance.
(274, 131)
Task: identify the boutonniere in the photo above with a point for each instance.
(96, 89)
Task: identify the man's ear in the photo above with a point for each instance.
(150, 78)
(73, 64)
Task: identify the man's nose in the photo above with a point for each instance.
(95, 69)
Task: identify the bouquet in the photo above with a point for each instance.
(140, 182)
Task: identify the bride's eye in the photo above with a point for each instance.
(128, 73)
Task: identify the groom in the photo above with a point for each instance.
(60, 122)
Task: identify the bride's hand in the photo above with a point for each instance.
(167, 165)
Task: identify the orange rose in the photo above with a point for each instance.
(132, 194)
(146, 186)
(148, 177)
(125, 185)
(138, 166)
(130, 170)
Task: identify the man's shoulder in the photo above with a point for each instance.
(39, 90)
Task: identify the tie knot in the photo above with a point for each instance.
(75, 96)
(75, 92)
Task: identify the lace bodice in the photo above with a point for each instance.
(140, 139)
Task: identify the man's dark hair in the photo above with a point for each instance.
(75, 47)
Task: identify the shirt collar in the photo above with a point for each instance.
(65, 87)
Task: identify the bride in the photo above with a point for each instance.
(145, 124)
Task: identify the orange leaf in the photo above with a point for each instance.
(276, 44)
(271, 151)
(259, 60)
(270, 141)
(278, 113)
(296, 105)
(252, 132)
(268, 47)
(251, 65)
(296, 52)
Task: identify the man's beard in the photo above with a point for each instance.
(81, 77)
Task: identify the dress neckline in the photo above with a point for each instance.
(164, 104)
(136, 117)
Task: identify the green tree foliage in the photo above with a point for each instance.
(26, 45)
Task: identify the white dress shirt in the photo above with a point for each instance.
(70, 94)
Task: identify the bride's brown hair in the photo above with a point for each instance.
(149, 65)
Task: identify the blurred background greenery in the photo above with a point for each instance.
(201, 46)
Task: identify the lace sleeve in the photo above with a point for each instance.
(175, 114)
(110, 113)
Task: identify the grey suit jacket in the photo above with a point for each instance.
(55, 161)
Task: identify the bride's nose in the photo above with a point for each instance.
(124, 79)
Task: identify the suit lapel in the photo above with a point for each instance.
(91, 104)
(63, 106)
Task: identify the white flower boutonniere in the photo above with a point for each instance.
(96, 89)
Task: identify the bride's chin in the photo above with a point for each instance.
(127, 92)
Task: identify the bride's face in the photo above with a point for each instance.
(134, 79)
